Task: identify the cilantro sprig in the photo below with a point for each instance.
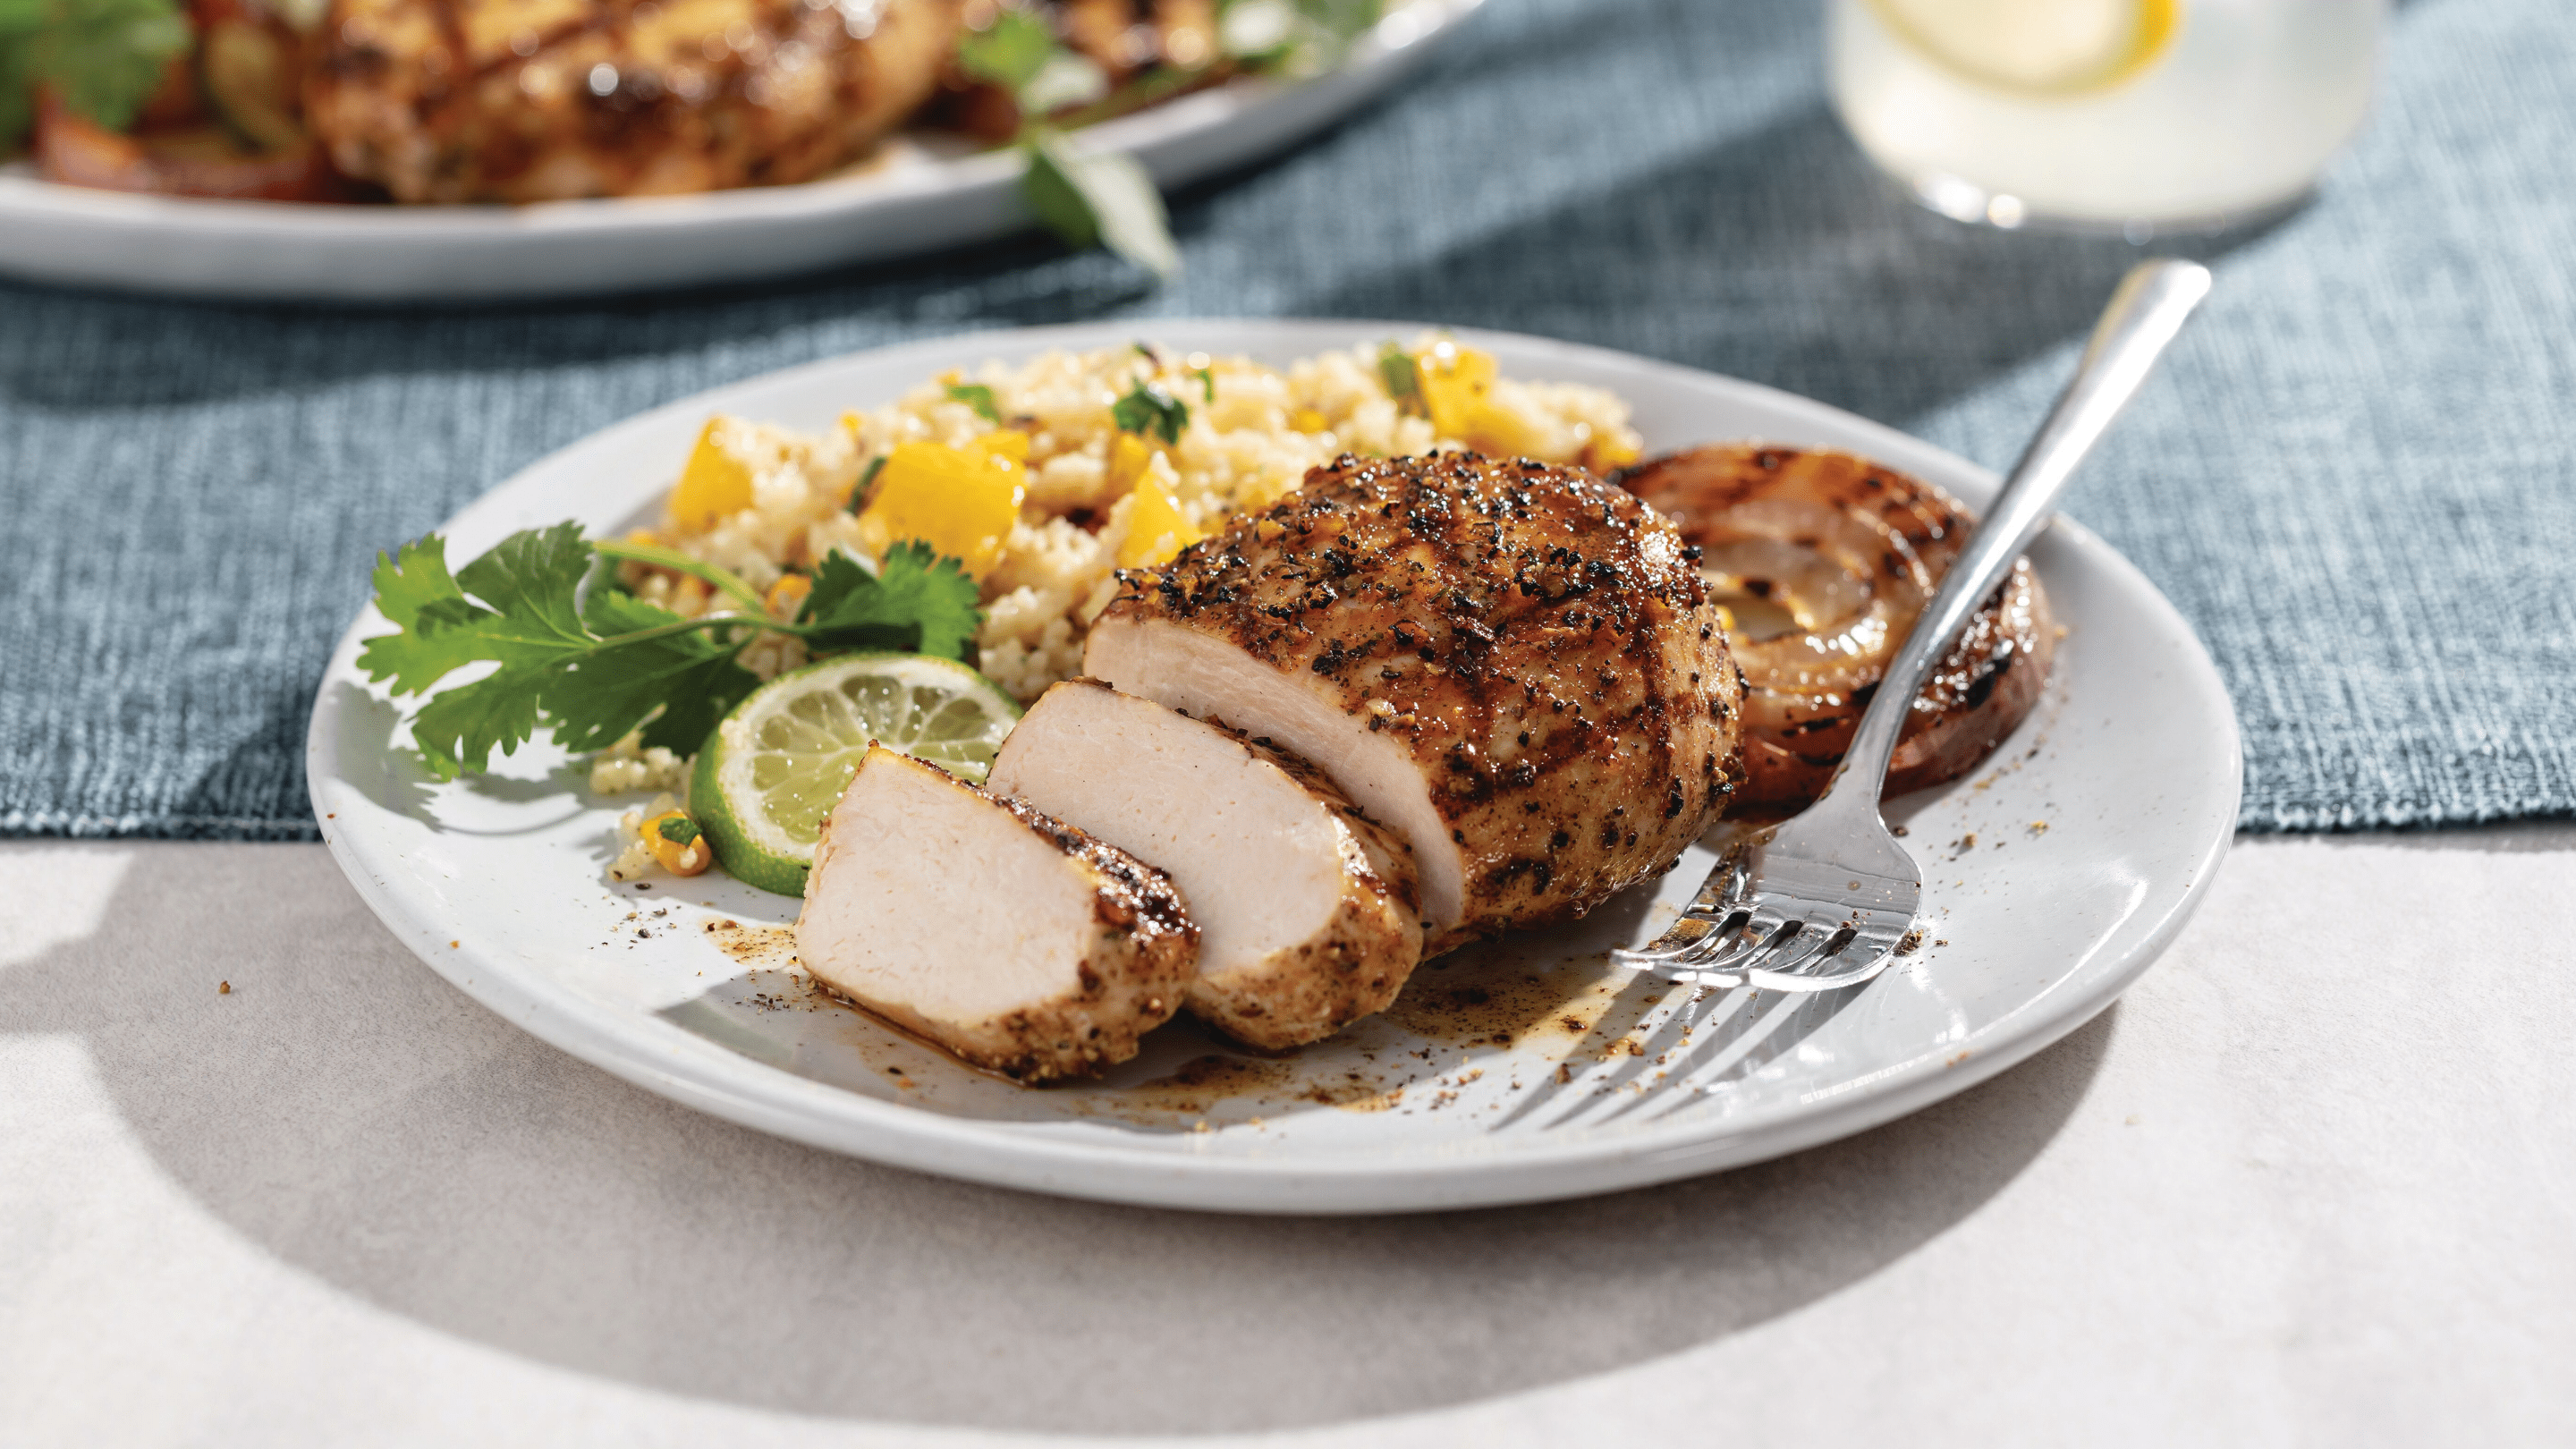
(1106, 198)
(102, 57)
(589, 662)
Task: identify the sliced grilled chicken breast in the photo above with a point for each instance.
(1019, 943)
(1824, 560)
(540, 100)
(1305, 906)
(1514, 665)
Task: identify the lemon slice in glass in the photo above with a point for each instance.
(2041, 47)
(776, 766)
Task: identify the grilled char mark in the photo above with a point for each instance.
(1516, 621)
(1800, 719)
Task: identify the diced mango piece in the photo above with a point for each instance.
(1503, 433)
(961, 502)
(1307, 420)
(1008, 443)
(1156, 529)
(1453, 380)
(1606, 453)
(1129, 457)
(715, 485)
(788, 595)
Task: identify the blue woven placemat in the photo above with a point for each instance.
(2353, 476)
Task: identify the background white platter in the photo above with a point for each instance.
(911, 200)
(1503, 1076)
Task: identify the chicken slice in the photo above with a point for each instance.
(1021, 944)
(1514, 665)
(1305, 906)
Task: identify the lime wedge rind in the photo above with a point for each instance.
(776, 766)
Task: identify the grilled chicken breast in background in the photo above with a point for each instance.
(1515, 665)
(1124, 37)
(540, 100)
(1023, 945)
(1305, 907)
(1824, 561)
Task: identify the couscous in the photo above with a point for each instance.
(1047, 477)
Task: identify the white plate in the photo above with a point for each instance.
(2131, 760)
(909, 200)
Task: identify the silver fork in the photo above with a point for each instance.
(1821, 901)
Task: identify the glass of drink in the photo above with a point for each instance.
(2133, 115)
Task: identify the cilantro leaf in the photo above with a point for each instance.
(103, 57)
(1341, 20)
(1051, 192)
(1396, 366)
(678, 829)
(1102, 197)
(1148, 409)
(1010, 52)
(460, 727)
(978, 397)
(407, 581)
(690, 677)
(1207, 380)
(1067, 80)
(917, 603)
(525, 622)
(442, 630)
(528, 583)
(1300, 36)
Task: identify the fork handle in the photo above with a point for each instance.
(2144, 314)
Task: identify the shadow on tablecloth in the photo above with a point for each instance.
(348, 1112)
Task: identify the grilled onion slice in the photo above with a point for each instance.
(1823, 560)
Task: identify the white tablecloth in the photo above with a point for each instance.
(2313, 1180)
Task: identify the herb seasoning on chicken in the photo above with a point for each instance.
(1515, 665)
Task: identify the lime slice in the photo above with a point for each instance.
(2043, 47)
(776, 766)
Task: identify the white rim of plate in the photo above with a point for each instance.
(739, 1089)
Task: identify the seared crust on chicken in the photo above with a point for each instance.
(1513, 664)
(1017, 942)
(539, 100)
(1305, 906)
(1825, 560)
